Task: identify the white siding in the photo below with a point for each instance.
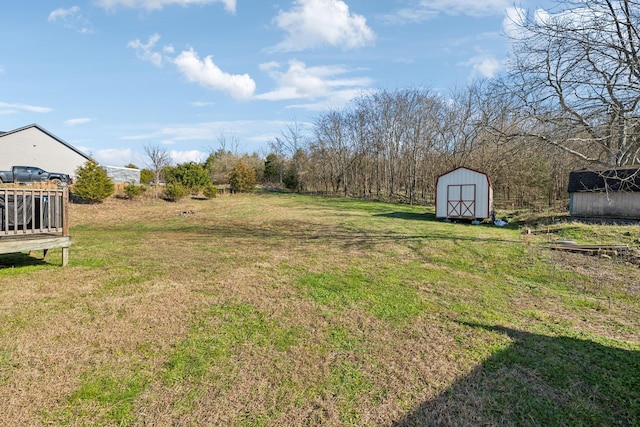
(626, 204)
(32, 147)
(467, 186)
(122, 175)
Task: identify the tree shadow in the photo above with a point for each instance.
(540, 380)
(310, 233)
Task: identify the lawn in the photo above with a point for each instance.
(284, 310)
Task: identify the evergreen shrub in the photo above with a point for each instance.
(92, 183)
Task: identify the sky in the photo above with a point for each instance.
(111, 77)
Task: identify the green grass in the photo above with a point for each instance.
(217, 336)
(383, 295)
(281, 309)
(104, 397)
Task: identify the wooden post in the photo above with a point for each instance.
(65, 256)
(65, 223)
(65, 211)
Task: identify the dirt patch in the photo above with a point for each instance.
(607, 269)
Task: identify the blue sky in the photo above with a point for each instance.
(111, 76)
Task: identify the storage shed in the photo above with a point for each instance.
(122, 175)
(464, 193)
(612, 193)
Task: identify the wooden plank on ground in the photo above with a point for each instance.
(590, 248)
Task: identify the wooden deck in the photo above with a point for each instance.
(34, 219)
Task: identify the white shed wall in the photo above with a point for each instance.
(626, 204)
(122, 175)
(465, 177)
(32, 147)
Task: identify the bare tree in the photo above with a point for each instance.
(290, 145)
(291, 139)
(576, 75)
(227, 143)
(158, 159)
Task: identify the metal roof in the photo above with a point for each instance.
(619, 179)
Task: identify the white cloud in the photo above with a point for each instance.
(485, 65)
(513, 20)
(62, 14)
(71, 18)
(429, 9)
(78, 121)
(229, 5)
(204, 72)
(299, 82)
(517, 18)
(200, 104)
(314, 23)
(252, 135)
(114, 156)
(146, 51)
(6, 108)
(207, 74)
(187, 156)
(337, 99)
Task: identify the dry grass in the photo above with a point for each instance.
(287, 310)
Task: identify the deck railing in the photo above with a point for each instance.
(34, 211)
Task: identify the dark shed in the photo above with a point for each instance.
(613, 192)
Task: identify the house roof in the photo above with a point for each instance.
(613, 179)
(41, 129)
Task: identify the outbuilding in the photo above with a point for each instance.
(122, 175)
(464, 193)
(33, 145)
(605, 193)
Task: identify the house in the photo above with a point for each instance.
(613, 192)
(464, 193)
(33, 145)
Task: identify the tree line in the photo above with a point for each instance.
(392, 145)
(568, 99)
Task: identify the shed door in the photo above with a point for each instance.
(461, 201)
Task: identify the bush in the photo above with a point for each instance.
(132, 190)
(92, 183)
(192, 176)
(210, 191)
(175, 191)
(242, 178)
(146, 176)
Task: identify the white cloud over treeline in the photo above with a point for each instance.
(316, 23)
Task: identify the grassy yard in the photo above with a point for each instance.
(287, 310)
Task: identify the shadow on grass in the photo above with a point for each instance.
(430, 217)
(309, 233)
(541, 381)
(410, 216)
(20, 260)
